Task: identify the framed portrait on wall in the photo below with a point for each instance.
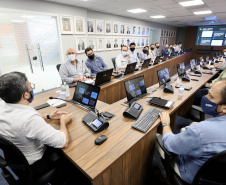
(108, 28)
(116, 43)
(147, 31)
(134, 31)
(80, 44)
(162, 33)
(147, 41)
(143, 30)
(108, 43)
(100, 44)
(128, 29)
(91, 42)
(122, 41)
(79, 23)
(134, 40)
(99, 27)
(91, 26)
(142, 42)
(128, 41)
(67, 26)
(138, 42)
(122, 29)
(139, 31)
(115, 28)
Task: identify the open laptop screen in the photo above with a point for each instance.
(181, 69)
(86, 94)
(135, 87)
(193, 65)
(163, 74)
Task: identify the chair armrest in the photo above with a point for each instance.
(197, 108)
(3, 163)
(159, 140)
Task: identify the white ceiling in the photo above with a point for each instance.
(176, 15)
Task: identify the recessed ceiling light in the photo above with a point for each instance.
(138, 10)
(191, 3)
(203, 12)
(17, 21)
(158, 16)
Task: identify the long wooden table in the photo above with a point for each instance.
(115, 90)
(125, 158)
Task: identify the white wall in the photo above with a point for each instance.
(69, 40)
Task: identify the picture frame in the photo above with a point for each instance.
(162, 33)
(79, 25)
(100, 42)
(128, 41)
(67, 26)
(122, 28)
(138, 42)
(108, 27)
(91, 42)
(115, 28)
(147, 31)
(122, 41)
(80, 44)
(108, 43)
(143, 31)
(134, 31)
(99, 27)
(90, 26)
(142, 42)
(115, 42)
(147, 41)
(128, 29)
(139, 30)
(134, 39)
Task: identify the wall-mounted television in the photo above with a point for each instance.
(211, 36)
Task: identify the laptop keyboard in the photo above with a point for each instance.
(81, 105)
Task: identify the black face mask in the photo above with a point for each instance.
(91, 57)
(145, 51)
(132, 49)
(152, 48)
(157, 47)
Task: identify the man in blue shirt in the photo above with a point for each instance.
(199, 141)
(133, 53)
(165, 50)
(94, 63)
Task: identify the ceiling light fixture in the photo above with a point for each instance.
(138, 10)
(191, 3)
(17, 21)
(203, 12)
(158, 16)
(27, 16)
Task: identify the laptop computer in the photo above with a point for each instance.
(103, 77)
(163, 76)
(145, 63)
(86, 96)
(135, 88)
(181, 69)
(130, 68)
(157, 60)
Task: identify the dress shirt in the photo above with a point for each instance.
(220, 77)
(121, 62)
(157, 52)
(96, 65)
(134, 56)
(68, 71)
(165, 52)
(177, 48)
(26, 129)
(143, 56)
(152, 55)
(196, 145)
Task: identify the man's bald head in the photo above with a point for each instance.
(71, 50)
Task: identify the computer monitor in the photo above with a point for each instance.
(193, 65)
(135, 88)
(103, 77)
(181, 69)
(86, 94)
(163, 76)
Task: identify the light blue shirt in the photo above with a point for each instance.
(96, 65)
(134, 56)
(196, 145)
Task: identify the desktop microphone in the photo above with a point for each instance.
(82, 72)
(58, 99)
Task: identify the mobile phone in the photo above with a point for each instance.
(42, 106)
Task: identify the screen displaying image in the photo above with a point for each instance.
(181, 69)
(97, 123)
(216, 42)
(163, 76)
(207, 33)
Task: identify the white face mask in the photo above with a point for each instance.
(224, 53)
(72, 57)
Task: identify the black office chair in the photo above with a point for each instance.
(58, 67)
(15, 160)
(113, 62)
(212, 171)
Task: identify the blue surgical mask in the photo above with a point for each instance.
(209, 107)
(32, 96)
(124, 53)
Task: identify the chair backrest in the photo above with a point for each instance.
(58, 67)
(16, 161)
(213, 170)
(113, 62)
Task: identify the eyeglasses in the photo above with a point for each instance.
(32, 86)
(90, 54)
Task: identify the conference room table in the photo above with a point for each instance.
(125, 158)
(115, 90)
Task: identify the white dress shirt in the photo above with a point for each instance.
(26, 129)
(152, 55)
(121, 62)
(177, 48)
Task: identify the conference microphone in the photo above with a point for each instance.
(58, 99)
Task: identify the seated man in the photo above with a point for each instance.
(73, 70)
(165, 50)
(94, 63)
(123, 59)
(152, 52)
(171, 47)
(133, 53)
(24, 126)
(156, 50)
(144, 54)
(199, 141)
(178, 47)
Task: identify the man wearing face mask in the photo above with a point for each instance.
(156, 50)
(199, 141)
(178, 47)
(165, 51)
(73, 70)
(133, 53)
(152, 52)
(94, 63)
(24, 126)
(171, 47)
(144, 54)
(123, 58)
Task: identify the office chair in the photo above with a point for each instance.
(58, 67)
(16, 161)
(212, 172)
(113, 62)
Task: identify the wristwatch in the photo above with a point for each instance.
(165, 124)
(47, 115)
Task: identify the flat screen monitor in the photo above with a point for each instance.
(193, 65)
(181, 69)
(163, 76)
(135, 87)
(86, 94)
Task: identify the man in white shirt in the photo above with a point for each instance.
(144, 54)
(133, 53)
(156, 50)
(24, 126)
(178, 47)
(152, 52)
(123, 58)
